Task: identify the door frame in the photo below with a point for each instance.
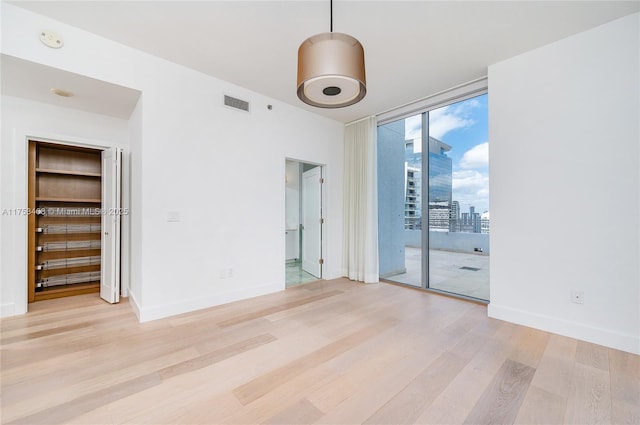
(304, 208)
(323, 201)
(125, 250)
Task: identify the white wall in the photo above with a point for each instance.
(565, 186)
(220, 169)
(22, 119)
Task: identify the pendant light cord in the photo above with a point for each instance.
(331, 13)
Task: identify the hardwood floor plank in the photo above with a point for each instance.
(44, 333)
(590, 400)
(41, 349)
(301, 412)
(364, 401)
(625, 413)
(260, 386)
(68, 320)
(469, 345)
(467, 321)
(238, 308)
(190, 407)
(376, 379)
(555, 370)
(208, 359)
(31, 396)
(502, 399)
(458, 399)
(592, 355)
(363, 367)
(406, 406)
(541, 407)
(624, 369)
(273, 403)
(528, 346)
(275, 309)
(88, 402)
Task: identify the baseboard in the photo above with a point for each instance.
(7, 310)
(134, 304)
(146, 314)
(606, 337)
(393, 273)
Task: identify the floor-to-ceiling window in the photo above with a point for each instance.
(433, 196)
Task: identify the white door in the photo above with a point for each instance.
(111, 209)
(312, 221)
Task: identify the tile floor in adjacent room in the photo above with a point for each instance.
(295, 275)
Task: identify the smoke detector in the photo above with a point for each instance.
(51, 39)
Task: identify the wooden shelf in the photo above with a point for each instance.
(63, 177)
(77, 289)
(55, 199)
(68, 172)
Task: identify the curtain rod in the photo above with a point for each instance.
(359, 119)
(440, 93)
(433, 95)
(422, 99)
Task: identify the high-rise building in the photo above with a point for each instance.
(412, 208)
(454, 217)
(484, 222)
(440, 185)
(470, 222)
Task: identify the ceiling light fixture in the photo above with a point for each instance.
(331, 69)
(61, 93)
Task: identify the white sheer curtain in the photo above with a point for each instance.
(360, 241)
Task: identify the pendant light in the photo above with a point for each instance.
(331, 69)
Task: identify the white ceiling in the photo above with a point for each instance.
(412, 49)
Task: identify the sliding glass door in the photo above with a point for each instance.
(433, 196)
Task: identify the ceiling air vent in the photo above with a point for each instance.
(232, 102)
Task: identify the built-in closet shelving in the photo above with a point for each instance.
(64, 221)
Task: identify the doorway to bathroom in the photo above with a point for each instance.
(303, 222)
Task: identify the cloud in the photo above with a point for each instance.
(452, 117)
(443, 120)
(413, 127)
(476, 157)
(469, 179)
(465, 107)
(471, 187)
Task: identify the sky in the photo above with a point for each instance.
(464, 126)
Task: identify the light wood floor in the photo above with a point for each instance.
(331, 352)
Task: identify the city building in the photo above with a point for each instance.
(440, 180)
(484, 222)
(454, 217)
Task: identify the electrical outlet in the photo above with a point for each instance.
(577, 297)
(173, 216)
(226, 273)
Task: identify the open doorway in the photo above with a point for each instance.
(74, 230)
(303, 222)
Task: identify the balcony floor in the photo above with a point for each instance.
(446, 273)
